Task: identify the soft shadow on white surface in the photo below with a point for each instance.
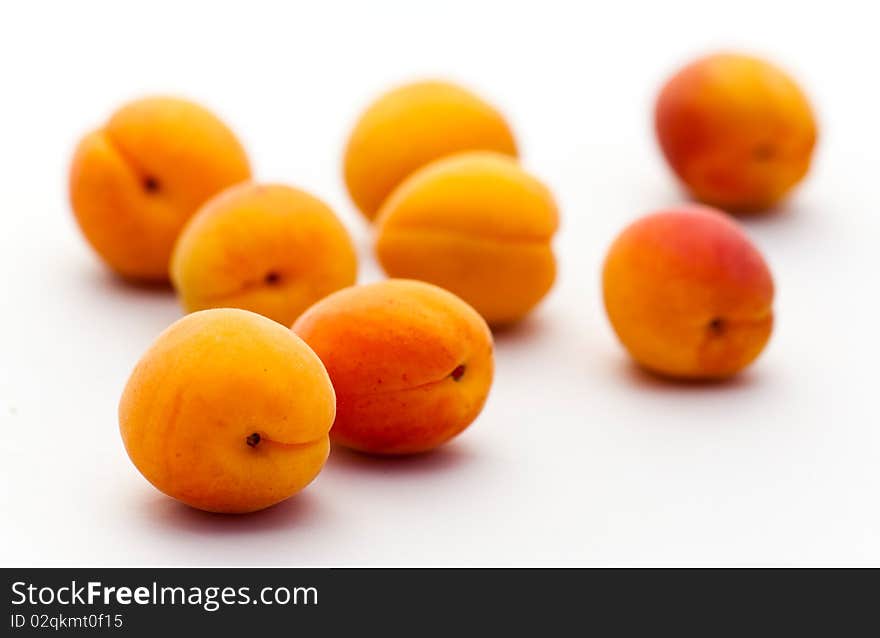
(785, 212)
(302, 510)
(449, 458)
(125, 314)
(105, 281)
(643, 379)
(89, 274)
(530, 328)
(790, 220)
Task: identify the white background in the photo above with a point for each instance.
(578, 458)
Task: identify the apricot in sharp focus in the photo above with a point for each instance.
(270, 248)
(478, 225)
(688, 294)
(135, 181)
(411, 364)
(738, 131)
(228, 411)
(411, 126)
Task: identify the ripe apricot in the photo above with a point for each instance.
(411, 364)
(271, 249)
(135, 181)
(228, 411)
(688, 294)
(476, 224)
(736, 130)
(412, 125)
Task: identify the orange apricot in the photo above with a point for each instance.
(736, 130)
(412, 125)
(228, 411)
(688, 294)
(271, 249)
(411, 364)
(135, 181)
(476, 224)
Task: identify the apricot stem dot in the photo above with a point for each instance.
(253, 440)
(764, 152)
(272, 278)
(716, 326)
(151, 184)
(458, 373)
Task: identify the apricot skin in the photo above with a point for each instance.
(736, 130)
(688, 294)
(271, 249)
(477, 225)
(411, 126)
(228, 412)
(134, 182)
(411, 363)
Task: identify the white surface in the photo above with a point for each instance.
(578, 458)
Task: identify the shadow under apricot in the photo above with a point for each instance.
(645, 379)
(296, 511)
(106, 279)
(781, 212)
(529, 327)
(445, 458)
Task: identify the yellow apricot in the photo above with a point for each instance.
(228, 411)
(411, 126)
(271, 249)
(476, 224)
(135, 181)
(411, 364)
(738, 131)
(688, 294)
